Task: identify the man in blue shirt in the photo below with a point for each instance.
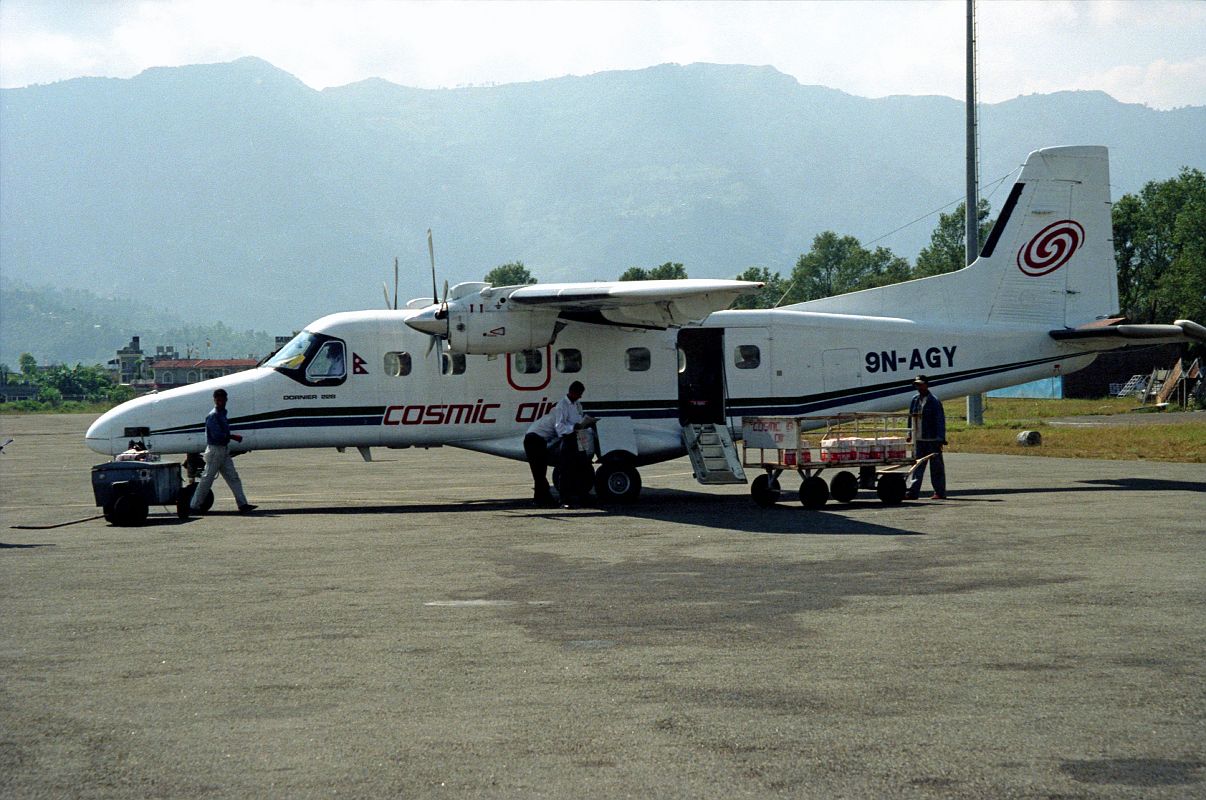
(929, 435)
(217, 456)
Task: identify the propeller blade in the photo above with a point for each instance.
(385, 291)
(431, 340)
(395, 283)
(431, 254)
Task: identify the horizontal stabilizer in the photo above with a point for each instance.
(1182, 330)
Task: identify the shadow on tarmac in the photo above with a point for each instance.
(726, 512)
(1100, 485)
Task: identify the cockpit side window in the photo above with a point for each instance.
(312, 359)
(327, 363)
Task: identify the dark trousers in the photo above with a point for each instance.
(537, 451)
(937, 469)
(569, 467)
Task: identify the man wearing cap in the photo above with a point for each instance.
(217, 457)
(928, 435)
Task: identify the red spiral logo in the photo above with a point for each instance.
(1051, 248)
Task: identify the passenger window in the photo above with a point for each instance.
(452, 364)
(569, 360)
(327, 362)
(397, 364)
(528, 362)
(637, 359)
(747, 356)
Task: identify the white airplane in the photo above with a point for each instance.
(661, 358)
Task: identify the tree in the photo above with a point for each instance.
(511, 274)
(947, 250)
(91, 383)
(51, 396)
(840, 264)
(29, 366)
(666, 272)
(1160, 249)
(768, 295)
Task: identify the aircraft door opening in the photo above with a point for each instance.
(701, 376)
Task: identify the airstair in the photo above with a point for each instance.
(714, 456)
(1136, 385)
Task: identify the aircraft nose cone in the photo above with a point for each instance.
(100, 434)
(426, 322)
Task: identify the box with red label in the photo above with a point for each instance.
(805, 456)
(835, 450)
(894, 446)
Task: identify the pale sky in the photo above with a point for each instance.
(1139, 51)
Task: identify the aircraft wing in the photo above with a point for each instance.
(1120, 334)
(657, 304)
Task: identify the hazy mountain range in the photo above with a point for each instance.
(235, 193)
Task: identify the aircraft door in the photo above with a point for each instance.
(841, 369)
(701, 375)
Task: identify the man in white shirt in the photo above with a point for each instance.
(556, 428)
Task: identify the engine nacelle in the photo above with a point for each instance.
(491, 328)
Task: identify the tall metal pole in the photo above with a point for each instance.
(975, 402)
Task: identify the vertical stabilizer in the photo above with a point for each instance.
(1050, 257)
(1048, 261)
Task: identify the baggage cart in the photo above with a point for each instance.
(861, 449)
(126, 489)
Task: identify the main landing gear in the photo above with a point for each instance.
(616, 480)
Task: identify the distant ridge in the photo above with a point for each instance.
(234, 192)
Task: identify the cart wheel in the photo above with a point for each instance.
(129, 510)
(765, 490)
(891, 489)
(813, 492)
(843, 487)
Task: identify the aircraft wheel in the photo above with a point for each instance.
(185, 498)
(617, 483)
(891, 489)
(129, 510)
(765, 491)
(813, 492)
(843, 487)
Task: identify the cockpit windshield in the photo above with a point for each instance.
(314, 359)
(294, 353)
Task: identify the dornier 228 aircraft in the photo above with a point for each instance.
(662, 361)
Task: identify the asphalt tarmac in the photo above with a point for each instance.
(412, 628)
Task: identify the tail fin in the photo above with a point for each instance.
(1048, 261)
